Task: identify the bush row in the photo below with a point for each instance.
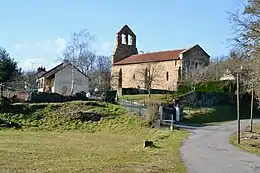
(133, 91)
(37, 97)
(210, 86)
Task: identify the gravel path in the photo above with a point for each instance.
(208, 151)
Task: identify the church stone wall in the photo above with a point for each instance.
(133, 75)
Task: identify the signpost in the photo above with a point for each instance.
(251, 113)
(238, 116)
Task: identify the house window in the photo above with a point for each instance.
(167, 76)
(134, 76)
(196, 65)
(41, 83)
(175, 63)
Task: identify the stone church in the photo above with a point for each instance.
(157, 70)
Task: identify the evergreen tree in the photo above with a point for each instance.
(8, 67)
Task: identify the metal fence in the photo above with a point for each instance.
(166, 114)
(135, 107)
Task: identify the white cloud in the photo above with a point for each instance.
(107, 45)
(43, 52)
(105, 48)
(18, 46)
(33, 63)
(60, 45)
(55, 46)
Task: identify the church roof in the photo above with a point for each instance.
(151, 57)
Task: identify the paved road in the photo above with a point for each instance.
(208, 151)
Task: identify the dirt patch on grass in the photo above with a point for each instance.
(250, 141)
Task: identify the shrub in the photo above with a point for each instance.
(109, 96)
(42, 97)
(210, 86)
(151, 114)
(4, 103)
(8, 124)
(46, 97)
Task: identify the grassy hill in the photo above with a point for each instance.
(61, 116)
(59, 138)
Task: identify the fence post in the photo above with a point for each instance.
(158, 121)
(171, 123)
(161, 112)
(131, 106)
(140, 109)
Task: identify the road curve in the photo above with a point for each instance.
(208, 151)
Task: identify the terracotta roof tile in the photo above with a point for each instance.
(151, 57)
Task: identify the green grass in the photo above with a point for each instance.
(52, 139)
(216, 115)
(155, 98)
(248, 143)
(60, 116)
(90, 152)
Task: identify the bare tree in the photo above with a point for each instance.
(246, 38)
(78, 52)
(101, 75)
(30, 79)
(195, 75)
(150, 75)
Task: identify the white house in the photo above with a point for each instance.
(63, 79)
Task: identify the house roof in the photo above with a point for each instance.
(53, 70)
(39, 74)
(155, 56)
(57, 69)
(151, 57)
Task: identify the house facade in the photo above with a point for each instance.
(64, 79)
(160, 70)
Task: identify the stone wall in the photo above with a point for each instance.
(133, 75)
(166, 73)
(125, 44)
(194, 57)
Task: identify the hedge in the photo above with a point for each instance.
(37, 97)
(210, 86)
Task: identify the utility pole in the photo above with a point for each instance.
(72, 76)
(252, 106)
(238, 117)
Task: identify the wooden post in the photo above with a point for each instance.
(251, 113)
(161, 112)
(238, 116)
(140, 108)
(172, 123)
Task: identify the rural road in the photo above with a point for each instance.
(208, 150)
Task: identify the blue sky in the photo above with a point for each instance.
(35, 32)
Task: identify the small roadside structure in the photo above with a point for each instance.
(227, 76)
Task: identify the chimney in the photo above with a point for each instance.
(41, 69)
